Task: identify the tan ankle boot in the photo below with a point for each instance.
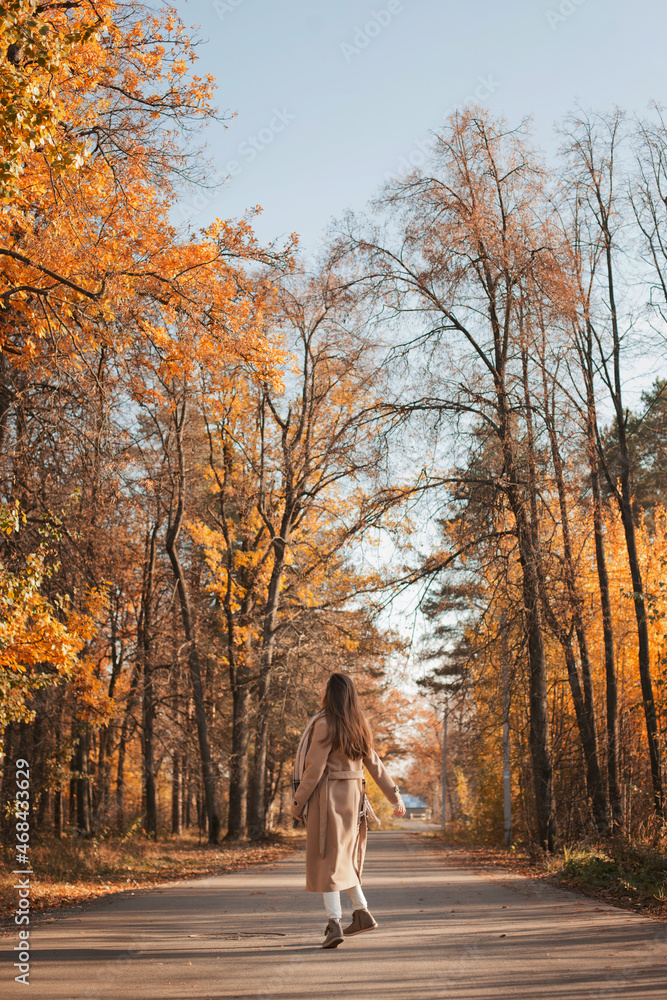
(333, 934)
(361, 921)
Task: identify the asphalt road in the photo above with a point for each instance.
(445, 932)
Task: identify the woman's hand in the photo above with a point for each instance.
(296, 811)
(400, 809)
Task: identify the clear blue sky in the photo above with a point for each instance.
(324, 111)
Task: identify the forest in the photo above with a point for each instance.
(222, 463)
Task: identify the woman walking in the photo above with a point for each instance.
(331, 795)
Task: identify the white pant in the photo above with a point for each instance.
(332, 903)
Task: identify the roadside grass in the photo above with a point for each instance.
(73, 870)
(630, 875)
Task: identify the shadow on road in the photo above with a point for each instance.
(445, 932)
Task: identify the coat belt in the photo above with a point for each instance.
(324, 801)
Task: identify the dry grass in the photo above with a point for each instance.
(632, 876)
(72, 870)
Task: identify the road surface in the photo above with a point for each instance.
(445, 932)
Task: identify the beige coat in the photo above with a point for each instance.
(332, 785)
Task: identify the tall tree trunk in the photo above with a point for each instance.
(71, 802)
(103, 783)
(257, 805)
(584, 705)
(176, 790)
(238, 763)
(275, 774)
(239, 680)
(587, 736)
(187, 796)
(144, 642)
(177, 754)
(650, 715)
(600, 191)
(189, 774)
(82, 786)
(539, 733)
(125, 733)
(194, 665)
(38, 756)
(58, 813)
(101, 788)
(58, 792)
(208, 771)
(42, 752)
(611, 683)
(624, 499)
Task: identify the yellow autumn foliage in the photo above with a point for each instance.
(41, 640)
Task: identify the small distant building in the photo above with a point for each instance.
(416, 808)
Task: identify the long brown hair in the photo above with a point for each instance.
(348, 728)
